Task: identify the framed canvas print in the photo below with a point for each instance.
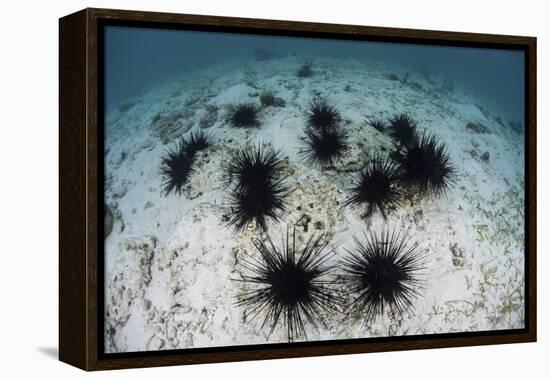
(236, 189)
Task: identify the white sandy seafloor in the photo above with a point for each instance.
(170, 262)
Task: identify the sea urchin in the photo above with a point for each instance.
(244, 115)
(322, 114)
(402, 128)
(256, 182)
(176, 167)
(325, 146)
(198, 141)
(249, 167)
(383, 273)
(290, 285)
(376, 187)
(424, 166)
(177, 163)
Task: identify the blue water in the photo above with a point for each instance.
(138, 58)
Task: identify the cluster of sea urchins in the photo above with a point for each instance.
(293, 285)
(382, 272)
(325, 139)
(419, 165)
(254, 177)
(178, 162)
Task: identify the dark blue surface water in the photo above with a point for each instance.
(138, 58)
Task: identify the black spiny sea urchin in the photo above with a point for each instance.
(383, 272)
(424, 166)
(198, 141)
(249, 167)
(322, 114)
(256, 182)
(402, 128)
(177, 163)
(244, 115)
(324, 147)
(376, 187)
(256, 204)
(176, 167)
(291, 284)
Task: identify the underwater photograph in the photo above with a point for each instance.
(263, 189)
